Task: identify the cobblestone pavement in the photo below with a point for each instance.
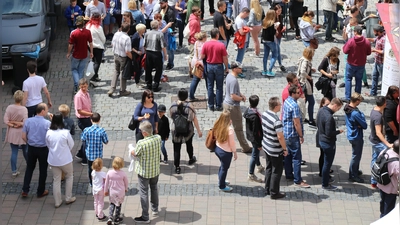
(193, 197)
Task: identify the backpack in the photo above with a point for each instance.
(379, 169)
(181, 122)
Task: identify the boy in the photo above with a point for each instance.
(94, 137)
(71, 12)
(68, 122)
(163, 130)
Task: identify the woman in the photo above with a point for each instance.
(181, 7)
(329, 68)
(198, 45)
(296, 11)
(255, 21)
(225, 149)
(392, 101)
(136, 14)
(128, 18)
(279, 34)
(268, 39)
(147, 9)
(184, 108)
(99, 39)
(14, 118)
(304, 75)
(146, 110)
(60, 143)
(307, 28)
(194, 28)
(138, 51)
(324, 102)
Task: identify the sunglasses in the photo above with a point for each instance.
(297, 93)
(150, 96)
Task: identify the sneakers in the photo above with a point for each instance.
(155, 213)
(141, 220)
(303, 184)
(312, 124)
(331, 180)
(254, 178)
(374, 186)
(283, 69)
(241, 75)
(110, 93)
(193, 160)
(72, 200)
(342, 85)
(118, 220)
(270, 74)
(278, 196)
(16, 174)
(356, 179)
(83, 163)
(169, 67)
(260, 169)
(24, 194)
(330, 187)
(109, 221)
(227, 182)
(178, 170)
(102, 218)
(219, 109)
(45, 192)
(124, 93)
(226, 189)
(264, 73)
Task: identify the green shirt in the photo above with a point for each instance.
(148, 152)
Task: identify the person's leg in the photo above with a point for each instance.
(295, 151)
(159, 68)
(226, 158)
(14, 157)
(211, 6)
(189, 148)
(181, 26)
(211, 75)
(329, 18)
(357, 148)
(278, 51)
(229, 10)
(236, 118)
(288, 160)
(358, 75)
(268, 173)
(122, 81)
(112, 208)
(100, 204)
(139, 136)
(389, 203)
(42, 158)
(177, 154)
(24, 149)
(240, 54)
(321, 161)
(376, 150)
(163, 150)
(117, 70)
(277, 169)
(349, 77)
(97, 57)
(296, 25)
(153, 182)
(69, 180)
(193, 87)
(202, 9)
(345, 67)
(310, 108)
(96, 200)
(31, 111)
(57, 185)
(375, 80)
(255, 157)
(118, 211)
(75, 71)
(90, 171)
(143, 185)
(329, 155)
(149, 69)
(82, 66)
(30, 167)
(266, 55)
(254, 34)
(219, 82)
(83, 123)
(274, 53)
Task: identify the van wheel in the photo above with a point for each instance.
(45, 66)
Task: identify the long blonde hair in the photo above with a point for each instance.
(269, 19)
(221, 127)
(255, 4)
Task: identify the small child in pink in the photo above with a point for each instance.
(116, 185)
(98, 178)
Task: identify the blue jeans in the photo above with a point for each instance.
(278, 50)
(225, 158)
(387, 203)
(329, 155)
(293, 159)
(269, 46)
(78, 68)
(241, 51)
(353, 71)
(376, 72)
(255, 159)
(193, 86)
(310, 108)
(376, 150)
(14, 155)
(225, 42)
(229, 10)
(215, 72)
(329, 15)
(163, 150)
(356, 153)
(171, 54)
(306, 43)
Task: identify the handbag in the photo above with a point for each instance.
(314, 43)
(133, 124)
(211, 141)
(186, 31)
(198, 70)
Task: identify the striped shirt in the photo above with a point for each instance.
(271, 125)
(94, 137)
(121, 43)
(148, 152)
(154, 41)
(291, 111)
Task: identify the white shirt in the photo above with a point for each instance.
(124, 6)
(121, 43)
(98, 37)
(98, 181)
(60, 143)
(149, 9)
(34, 85)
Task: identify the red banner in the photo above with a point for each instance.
(389, 14)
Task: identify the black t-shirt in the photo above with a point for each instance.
(376, 119)
(219, 21)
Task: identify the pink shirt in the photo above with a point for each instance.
(15, 113)
(393, 169)
(82, 101)
(229, 145)
(116, 184)
(285, 95)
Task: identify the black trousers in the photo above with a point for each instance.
(273, 174)
(153, 60)
(139, 136)
(36, 154)
(177, 151)
(82, 124)
(97, 57)
(296, 25)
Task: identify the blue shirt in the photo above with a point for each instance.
(94, 136)
(36, 129)
(291, 111)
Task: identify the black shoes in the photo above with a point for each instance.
(169, 67)
(193, 160)
(178, 170)
(356, 180)
(278, 196)
(141, 220)
(312, 124)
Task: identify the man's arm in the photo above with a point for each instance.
(297, 126)
(70, 49)
(84, 113)
(282, 142)
(24, 137)
(25, 98)
(225, 59)
(47, 93)
(379, 134)
(91, 49)
(222, 32)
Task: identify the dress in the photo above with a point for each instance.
(116, 184)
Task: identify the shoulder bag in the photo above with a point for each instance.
(211, 141)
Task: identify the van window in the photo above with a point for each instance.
(28, 7)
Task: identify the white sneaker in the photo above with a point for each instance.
(16, 174)
(254, 178)
(260, 169)
(155, 213)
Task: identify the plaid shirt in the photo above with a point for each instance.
(380, 45)
(148, 152)
(94, 136)
(291, 111)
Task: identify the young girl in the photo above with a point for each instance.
(98, 178)
(268, 39)
(116, 185)
(201, 38)
(324, 102)
(279, 33)
(163, 130)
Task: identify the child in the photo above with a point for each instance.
(94, 137)
(163, 130)
(68, 122)
(348, 31)
(71, 12)
(116, 185)
(98, 178)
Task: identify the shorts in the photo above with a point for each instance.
(191, 49)
(108, 19)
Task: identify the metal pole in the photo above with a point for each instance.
(317, 11)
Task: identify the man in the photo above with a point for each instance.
(274, 146)
(232, 100)
(34, 134)
(355, 124)
(169, 17)
(122, 48)
(241, 23)
(327, 139)
(216, 57)
(79, 39)
(379, 49)
(389, 192)
(147, 167)
(377, 137)
(357, 48)
(32, 88)
(154, 43)
(220, 23)
(329, 8)
(83, 111)
(194, 28)
(293, 133)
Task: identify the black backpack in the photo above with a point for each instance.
(181, 122)
(379, 169)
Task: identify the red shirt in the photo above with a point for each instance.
(82, 101)
(285, 94)
(214, 52)
(80, 38)
(379, 45)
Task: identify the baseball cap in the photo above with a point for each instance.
(162, 108)
(378, 28)
(236, 65)
(79, 20)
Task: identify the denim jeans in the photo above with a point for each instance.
(278, 50)
(329, 154)
(225, 158)
(353, 71)
(229, 10)
(293, 159)
(306, 43)
(310, 108)
(356, 153)
(376, 72)
(376, 150)
(225, 42)
(255, 159)
(31, 110)
(364, 79)
(215, 72)
(163, 150)
(14, 155)
(387, 203)
(241, 51)
(171, 54)
(269, 46)
(329, 15)
(78, 68)
(193, 86)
